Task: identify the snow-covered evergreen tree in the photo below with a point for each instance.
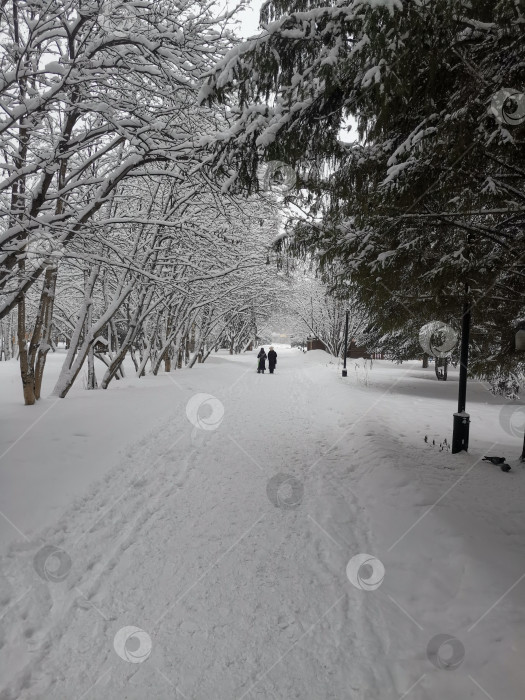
(430, 196)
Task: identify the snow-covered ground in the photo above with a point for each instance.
(224, 514)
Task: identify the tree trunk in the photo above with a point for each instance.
(26, 370)
(67, 377)
(92, 379)
(425, 360)
(146, 354)
(167, 357)
(115, 363)
(182, 351)
(132, 352)
(45, 323)
(79, 349)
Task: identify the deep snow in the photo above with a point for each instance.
(226, 528)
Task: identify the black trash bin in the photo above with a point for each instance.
(460, 433)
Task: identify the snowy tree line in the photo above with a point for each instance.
(425, 210)
(311, 310)
(131, 217)
(114, 234)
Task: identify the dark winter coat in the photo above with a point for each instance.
(272, 359)
(262, 359)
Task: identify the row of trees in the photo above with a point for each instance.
(313, 311)
(113, 234)
(425, 210)
(172, 294)
(124, 218)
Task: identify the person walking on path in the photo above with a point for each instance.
(262, 361)
(272, 359)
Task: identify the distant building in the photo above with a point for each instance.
(315, 344)
(354, 350)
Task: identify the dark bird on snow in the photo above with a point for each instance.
(494, 460)
(505, 467)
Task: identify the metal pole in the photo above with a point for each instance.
(460, 435)
(345, 349)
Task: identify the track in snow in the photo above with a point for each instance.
(240, 598)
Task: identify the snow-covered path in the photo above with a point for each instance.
(227, 543)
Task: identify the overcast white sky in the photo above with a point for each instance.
(249, 18)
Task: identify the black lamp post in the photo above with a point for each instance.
(460, 434)
(345, 349)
